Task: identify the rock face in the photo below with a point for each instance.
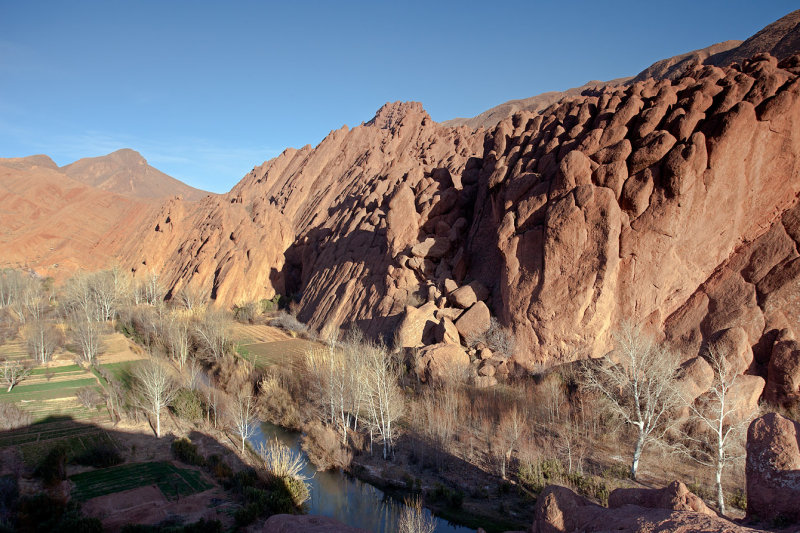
(773, 469)
(559, 510)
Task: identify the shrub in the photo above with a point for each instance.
(453, 498)
(53, 468)
(89, 397)
(99, 456)
(738, 499)
(245, 312)
(186, 452)
(188, 405)
(269, 306)
(288, 322)
(497, 338)
(12, 417)
(537, 475)
(285, 469)
(589, 486)
(219, 468)
(42, 512)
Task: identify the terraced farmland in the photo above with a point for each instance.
(171, 480)
(288, 352)
(50, 391)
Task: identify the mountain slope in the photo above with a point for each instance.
(127, 173)
(666, 202)
(52, 223)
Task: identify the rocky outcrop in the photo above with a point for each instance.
(671, 203)
(559, 510)
(773, 470)
(674, 496)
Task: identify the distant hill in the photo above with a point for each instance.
(52, 223)
(127, 173)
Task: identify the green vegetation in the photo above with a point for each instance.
(171, 480)
(186, 452)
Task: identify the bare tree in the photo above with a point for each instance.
(385, 399)
(32, 300)
(191, 298)
(177, 337)
(509, 432)
(42, 339)
(154, 389)
(242, 416)
(640, 382)
(151, 290)
(720, 423)
(13, 371)
(214, 333)
(87, 333)
(11, 282)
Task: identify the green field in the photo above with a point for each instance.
(285, 352)
(172, 481)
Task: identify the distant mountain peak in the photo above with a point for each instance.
(126, 171)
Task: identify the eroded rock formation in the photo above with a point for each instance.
(670, 203)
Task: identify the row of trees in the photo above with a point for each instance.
(355, 387)
(642, 383)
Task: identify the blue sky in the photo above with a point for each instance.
(207, 90)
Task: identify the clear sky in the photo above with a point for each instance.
(207, 90)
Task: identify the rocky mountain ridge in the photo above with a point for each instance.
(671, 203)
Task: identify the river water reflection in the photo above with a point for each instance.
(345, 498)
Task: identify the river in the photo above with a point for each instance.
(345, 498)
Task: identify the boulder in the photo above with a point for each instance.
(431, 248)
(773, 469)
(438, 362)
(560, 510)
(474, 322)
(446, 332)
(402, 223)
(465, 296)
(674, 496)
(418, 326)
(783, 374)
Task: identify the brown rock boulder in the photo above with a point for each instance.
(285, 523)
(418, 326)
(439, 362)
(464, 297)
(402, 223)
(773, 469)
(432, 247)
(559, 510)
(474, 322)
(783, 373)
(674, 496)
(447, 332)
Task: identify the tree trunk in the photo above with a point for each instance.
(637, 454)
(158, 424)
(720, 494)
(10, 386)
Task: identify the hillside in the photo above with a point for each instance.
(623, 204)
(53, 223)
(127, 173)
